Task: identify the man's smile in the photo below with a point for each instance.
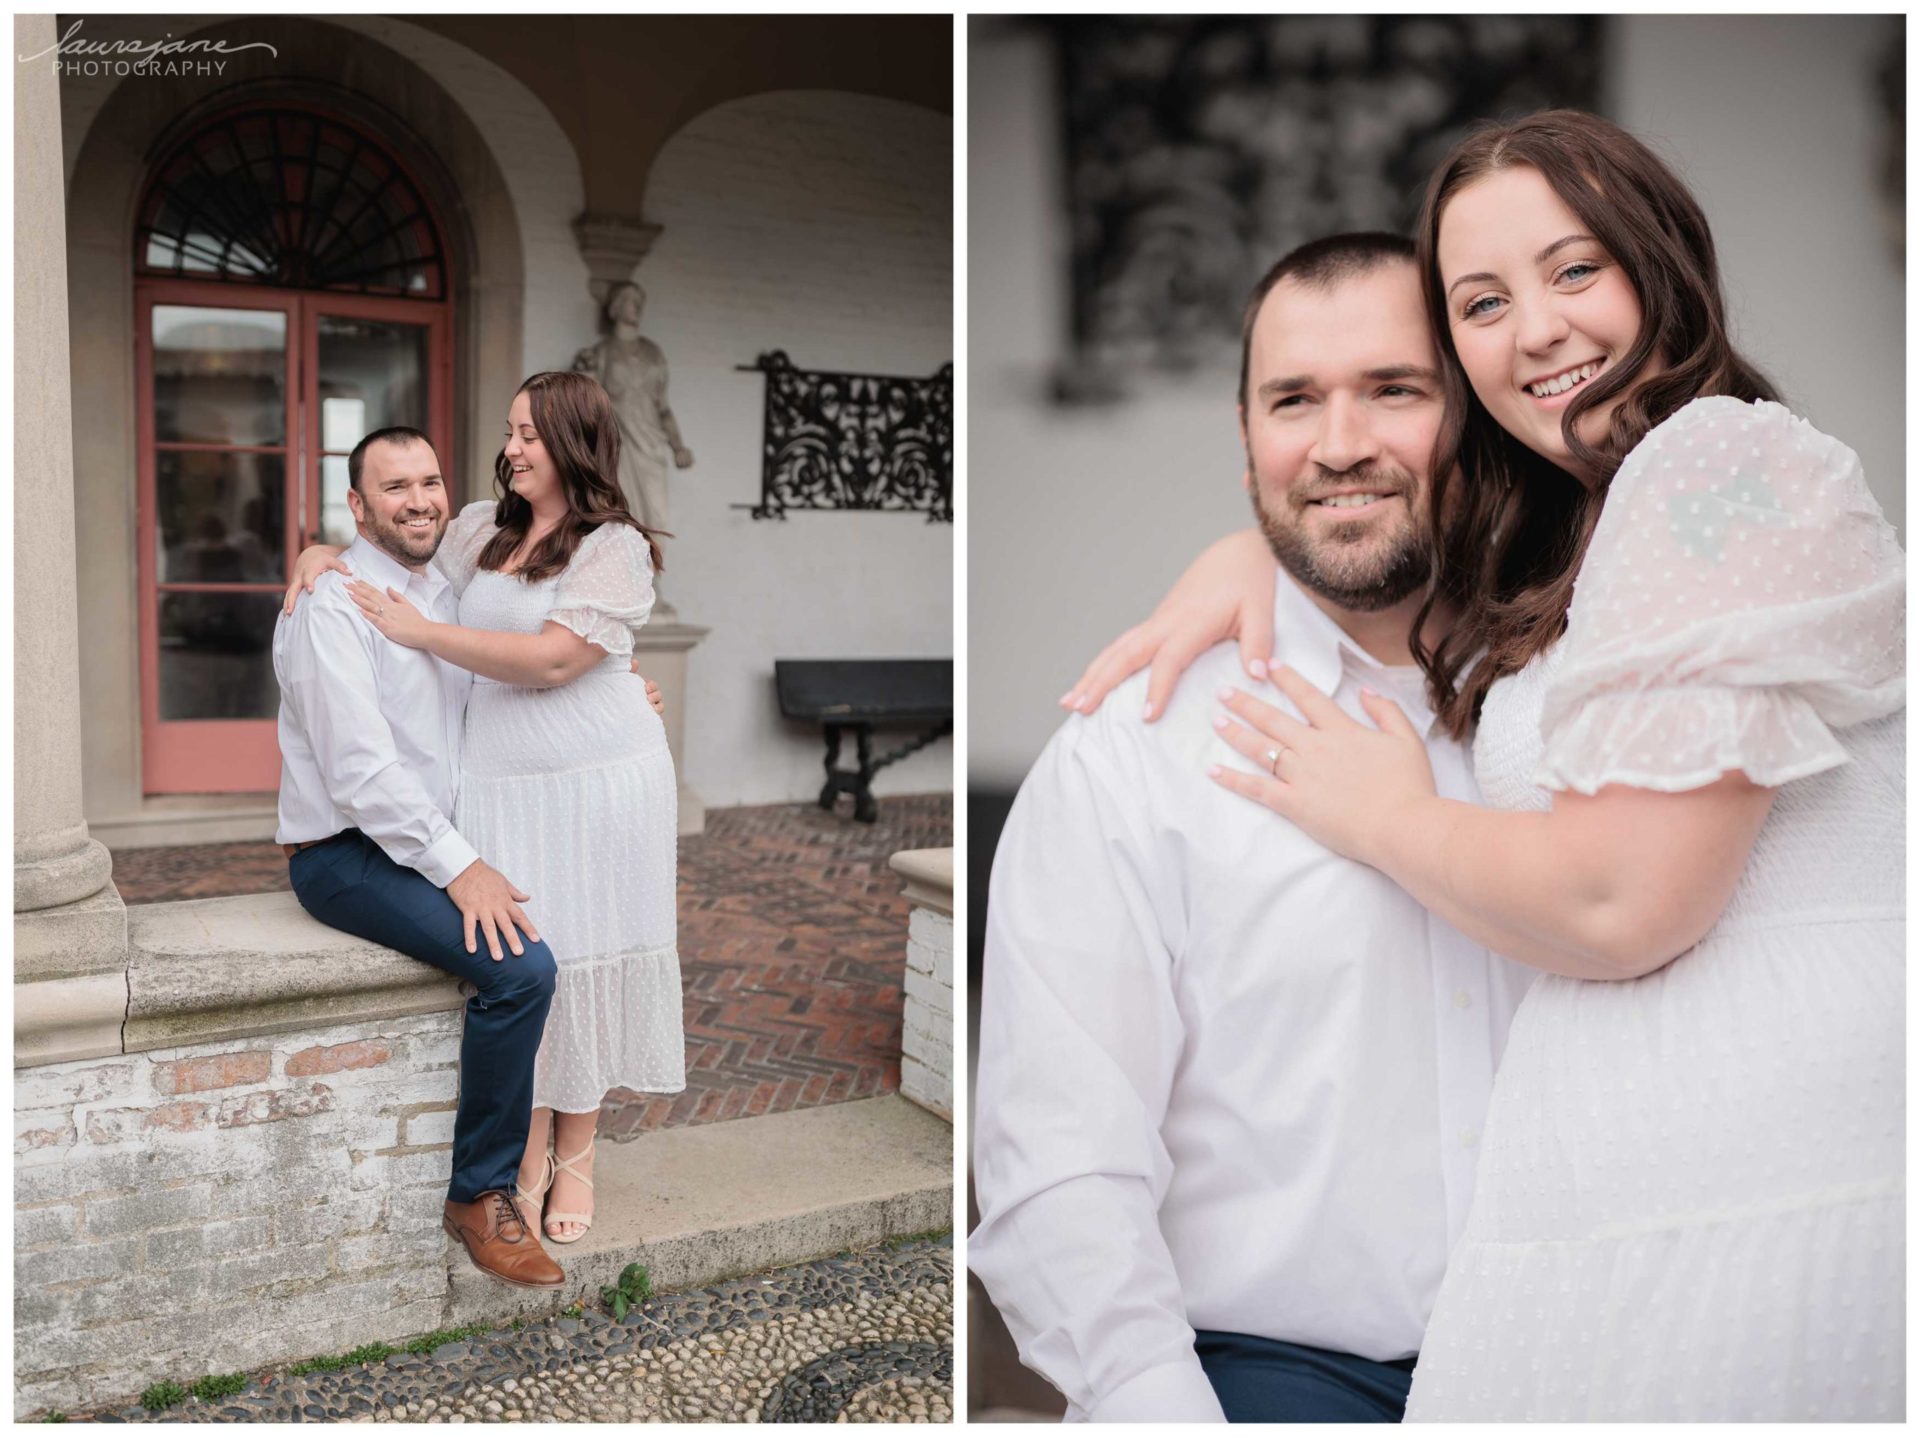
(1353, 503)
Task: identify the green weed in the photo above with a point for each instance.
(163, 1395)
(359, 1357)
(634, 1288)
(427, 1341)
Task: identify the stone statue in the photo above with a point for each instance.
(633, 371)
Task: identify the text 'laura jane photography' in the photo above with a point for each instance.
(75, 56)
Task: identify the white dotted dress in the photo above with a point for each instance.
(570, 793)
(1690, 1202)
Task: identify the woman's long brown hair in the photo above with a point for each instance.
(575, 420)
(1511, 549)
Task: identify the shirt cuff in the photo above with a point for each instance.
(446, 859)
(1172, 1392)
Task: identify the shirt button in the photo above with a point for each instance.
(1463, 1000)
(1469, 1138)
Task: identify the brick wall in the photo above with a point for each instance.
(926, 1062)
(161, 1199)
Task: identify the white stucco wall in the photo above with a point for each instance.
(542, 176)
(819, 223)
(1079, 518)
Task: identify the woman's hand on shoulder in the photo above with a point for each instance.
(1340, 781)
(392, 614)
(1226, 593)
(314, 561)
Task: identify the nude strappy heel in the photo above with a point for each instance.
(536, 1197)
(584, 1219)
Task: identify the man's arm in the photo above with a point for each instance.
(328, 678)
(331, 684)
(1079, 1038)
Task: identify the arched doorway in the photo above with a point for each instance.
(291, 295)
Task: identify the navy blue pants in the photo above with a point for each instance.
(1260, 1380)
(350, 884)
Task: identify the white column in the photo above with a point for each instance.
(70, 930)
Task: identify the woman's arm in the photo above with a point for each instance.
(1612, 886)
(554, 656)
(1225, 593)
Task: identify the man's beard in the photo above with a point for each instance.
(409, 546)
(1354, 566)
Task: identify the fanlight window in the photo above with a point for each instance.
(291, 199)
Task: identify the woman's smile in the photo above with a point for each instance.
(1554, 391)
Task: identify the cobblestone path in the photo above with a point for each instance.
(863, 1337)
(793, 942)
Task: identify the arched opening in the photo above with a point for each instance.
(291, 294)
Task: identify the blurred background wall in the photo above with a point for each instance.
(1085, 512)
(1092, 481)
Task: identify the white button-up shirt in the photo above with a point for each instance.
(1227, 1080)
(370, 731)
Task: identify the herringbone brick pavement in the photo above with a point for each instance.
(793, 937)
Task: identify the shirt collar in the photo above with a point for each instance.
(379, 568)
(1315, 647)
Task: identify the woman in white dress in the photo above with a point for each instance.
(566, 784)
(1690, 1201)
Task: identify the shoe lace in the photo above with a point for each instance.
(505, 1212)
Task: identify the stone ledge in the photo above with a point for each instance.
(928, 875)
(60, 1020)
(70, 980)
(701, 1204)
(72, 940)
(218, 968)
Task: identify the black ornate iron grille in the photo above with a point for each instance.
(1199, 150)
(292, 199)
(854, 441)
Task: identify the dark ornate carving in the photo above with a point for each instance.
(854, 441)
(1201, 149)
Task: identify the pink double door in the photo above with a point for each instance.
(250, 400)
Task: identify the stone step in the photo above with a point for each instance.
(701, 1204)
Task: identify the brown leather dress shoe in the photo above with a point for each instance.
(500, 1244)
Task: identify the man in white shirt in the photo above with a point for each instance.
(1230, 1085)
(370, 739)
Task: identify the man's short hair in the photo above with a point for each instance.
(393, 434)
(1322, 264)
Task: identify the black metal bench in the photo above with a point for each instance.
(862, 695)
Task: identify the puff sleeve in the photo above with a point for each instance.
(607, 591)
(467, 534)
(1742, 597)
